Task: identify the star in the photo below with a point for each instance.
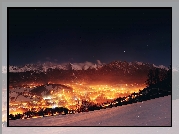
(124, 51)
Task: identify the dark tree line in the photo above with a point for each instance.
(160, 78)
(43, 113)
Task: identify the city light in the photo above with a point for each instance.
(74, 96)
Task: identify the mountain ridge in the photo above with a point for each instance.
(43, 67)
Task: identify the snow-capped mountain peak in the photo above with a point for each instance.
(160, 66)
(43, 67)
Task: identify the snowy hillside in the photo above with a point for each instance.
(156, 112)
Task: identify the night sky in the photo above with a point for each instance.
(89, 34)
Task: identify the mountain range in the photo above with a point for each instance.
(113, 72)
(43, 67)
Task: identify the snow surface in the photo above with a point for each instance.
(155, 112)
(103, 130)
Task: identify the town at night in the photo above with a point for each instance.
(84, 63)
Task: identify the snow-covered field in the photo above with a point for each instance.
(155, 112)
